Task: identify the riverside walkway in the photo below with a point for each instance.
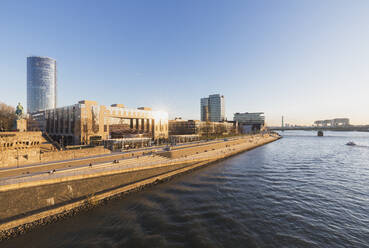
(128, 164)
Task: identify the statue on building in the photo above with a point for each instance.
(19, 111)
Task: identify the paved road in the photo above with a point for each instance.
(26, 170)
(127, 163)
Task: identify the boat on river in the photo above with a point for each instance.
(350, 143)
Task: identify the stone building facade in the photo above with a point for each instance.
(20, 140)
(87, 121)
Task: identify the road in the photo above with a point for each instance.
(34, 169)
(129, 163)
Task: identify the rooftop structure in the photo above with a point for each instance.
(41, 83)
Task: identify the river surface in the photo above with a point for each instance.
(300, 191)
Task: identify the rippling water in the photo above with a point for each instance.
(300, 191)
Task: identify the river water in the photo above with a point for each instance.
(300, 191)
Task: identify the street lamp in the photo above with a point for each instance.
(17, 158)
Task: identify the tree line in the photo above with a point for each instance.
(7, 117)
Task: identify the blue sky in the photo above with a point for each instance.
(305, 60)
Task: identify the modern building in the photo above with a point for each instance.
(88, 122)
(212, 108)
(249, 122)
(202, 128)
(41, 83)
(204, 107)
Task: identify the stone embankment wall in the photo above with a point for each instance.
(177, 153)
(28, 200)
(15, 157)
(72, 154)
(72, 163)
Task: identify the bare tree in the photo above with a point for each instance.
(7, 117)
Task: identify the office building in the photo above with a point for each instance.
(204, 105)
(212, 108)
(41, 83)
(249, 122)
(202, 128)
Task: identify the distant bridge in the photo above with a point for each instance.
(364, 128)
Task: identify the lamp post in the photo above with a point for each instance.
(17, 158)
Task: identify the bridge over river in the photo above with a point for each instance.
(361, 128)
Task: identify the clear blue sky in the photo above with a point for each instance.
(306, 60)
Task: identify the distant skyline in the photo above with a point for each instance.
(305, 60)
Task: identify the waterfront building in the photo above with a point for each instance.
(184, 138)
(88, 122)
(212, 108)
(202, 128)
(41, 83)
(249, 122)
(184, 127)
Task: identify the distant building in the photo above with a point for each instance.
(338, 122)
(204, 105)
(212, 108)
(182, 127)
(87, 122)
(41, 84)
(202, 128)
(249, 122)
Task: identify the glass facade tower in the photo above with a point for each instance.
(204, 104)
(212, 108)
(41, 83)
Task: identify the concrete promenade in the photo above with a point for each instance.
(45, 194)
(26, 170)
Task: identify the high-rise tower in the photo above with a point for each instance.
(204, 108)
(41, 83)
(212, 108)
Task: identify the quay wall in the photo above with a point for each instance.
(27, 200)
(26, 204)
(73, 154)
(72, 163)
(177, 153)
(19, 157)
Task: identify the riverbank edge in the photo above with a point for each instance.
(22, 225)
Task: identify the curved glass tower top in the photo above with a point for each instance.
(41, 83)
